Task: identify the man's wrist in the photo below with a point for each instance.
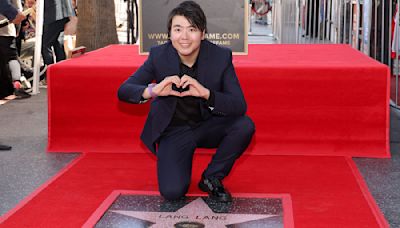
(150, 88)
(211, 99)
(207, 94)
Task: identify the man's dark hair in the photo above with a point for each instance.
(192, 12)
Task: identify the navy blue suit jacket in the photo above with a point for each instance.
(215, 72)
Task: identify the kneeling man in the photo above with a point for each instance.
(197, 103)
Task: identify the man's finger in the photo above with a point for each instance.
(186, 93)
(175, 93)
(175, 79)
(185, 78)
(187, 83)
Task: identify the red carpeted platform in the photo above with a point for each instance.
(304, 100)
(325, 191)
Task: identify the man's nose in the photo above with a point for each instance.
(184, 34)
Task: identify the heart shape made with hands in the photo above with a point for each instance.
(180, 89)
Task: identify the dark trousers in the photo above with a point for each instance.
(8, 47)
(6, 86)
(52, 37)
(230, 135)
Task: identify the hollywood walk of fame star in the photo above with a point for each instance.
(196, 211)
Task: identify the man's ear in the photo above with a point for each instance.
(203, 35)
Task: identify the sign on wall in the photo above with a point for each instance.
(226, 23)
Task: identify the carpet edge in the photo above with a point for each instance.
(380, 218)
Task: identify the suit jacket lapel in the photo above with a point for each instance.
(173, 59)
(202, 63)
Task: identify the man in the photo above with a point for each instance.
(13, 15)
(197, 102)
(56, 14)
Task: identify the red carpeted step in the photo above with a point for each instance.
(325, 191)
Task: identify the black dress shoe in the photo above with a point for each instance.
(215, 189)
(5, 147)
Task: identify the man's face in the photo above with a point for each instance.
(30, 3)
(185, 37)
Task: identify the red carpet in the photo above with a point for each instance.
(304, 99)
(325, 191)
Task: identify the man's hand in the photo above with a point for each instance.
(20, 17)
(164, 88)
(195, 88)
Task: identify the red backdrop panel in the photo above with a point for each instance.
(304, 100)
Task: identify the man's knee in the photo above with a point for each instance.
(245, 125)
(173, 192)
